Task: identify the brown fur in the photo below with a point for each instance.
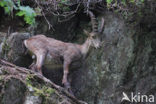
(45, 48)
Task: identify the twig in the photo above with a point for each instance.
(49, 24)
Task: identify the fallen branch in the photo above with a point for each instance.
(60, 89)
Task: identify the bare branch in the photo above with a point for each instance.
(49, 24)
(9, 65)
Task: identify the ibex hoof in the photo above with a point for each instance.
(70, 91)
(66, 85)
(39, 71)
(68, 88)
(33, 67)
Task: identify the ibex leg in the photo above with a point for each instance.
(65, 73)
(32, 66)
(39, 62)
(65, 81)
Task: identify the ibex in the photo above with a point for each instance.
(45, 48)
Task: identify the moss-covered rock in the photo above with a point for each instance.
(21, 86)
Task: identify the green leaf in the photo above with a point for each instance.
(2, 4)
(64, 1)
(20, 13)
(123, 2)
(27, 12)
(8, 5)
(132, 1)
(109, 1)
(7, 10)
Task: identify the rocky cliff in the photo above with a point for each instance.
(126, 61)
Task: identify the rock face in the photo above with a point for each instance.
(13, 49)
(64, 31)
(102, 77)
(124, 63)
(2, 37)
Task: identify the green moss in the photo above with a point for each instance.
(39, 89)
(1, 78)
(44, 91)
(49, 90)
(5, 49)
(29, 79)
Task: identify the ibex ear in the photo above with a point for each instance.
(86, 32)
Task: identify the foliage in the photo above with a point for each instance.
(28, 13)
(137, 2)
(64, 1)
(23, 11)
(109, 1)
(127, 8)
(8, 6)
(65, 9)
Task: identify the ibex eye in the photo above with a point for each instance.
(94, 36)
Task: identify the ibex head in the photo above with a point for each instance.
(93, 37)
